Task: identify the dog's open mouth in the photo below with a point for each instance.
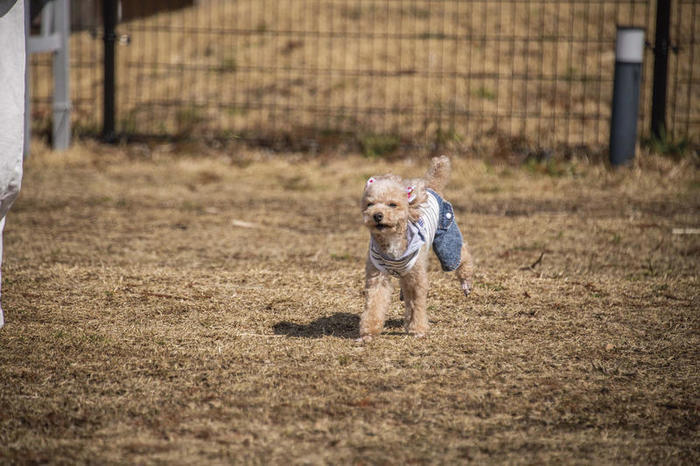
(381, 226)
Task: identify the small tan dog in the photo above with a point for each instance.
(405, 219)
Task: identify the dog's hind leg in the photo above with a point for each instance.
(378, 288)
(465, 271)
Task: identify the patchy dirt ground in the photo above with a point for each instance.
(199, 309)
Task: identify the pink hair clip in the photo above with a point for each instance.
(411, 194)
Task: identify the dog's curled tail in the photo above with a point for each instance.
(439, 173)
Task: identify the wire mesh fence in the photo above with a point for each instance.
(381, 72)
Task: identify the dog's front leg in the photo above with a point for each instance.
(378, 289)
(415, 291)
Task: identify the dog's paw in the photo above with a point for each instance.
(417, 331)
(364, 339)
(466, 288)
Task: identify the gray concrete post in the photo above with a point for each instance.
(61, 76)
(54, 37)
(629, 51)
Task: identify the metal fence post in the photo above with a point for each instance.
(661, 45)
(109, 17)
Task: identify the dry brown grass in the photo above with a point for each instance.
(189, 309)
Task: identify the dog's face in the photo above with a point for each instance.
(385, 205)
(388, 204)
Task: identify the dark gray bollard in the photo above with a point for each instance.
(629, 51)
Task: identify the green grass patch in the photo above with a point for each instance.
(379, 145)
(485, 93)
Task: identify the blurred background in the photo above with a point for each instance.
(376, 76)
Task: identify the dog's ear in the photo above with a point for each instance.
(415, 190)
(369, 183)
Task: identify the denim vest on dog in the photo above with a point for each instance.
(436, 225)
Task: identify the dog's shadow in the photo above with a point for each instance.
(341, 324)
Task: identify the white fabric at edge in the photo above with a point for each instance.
(12, 68)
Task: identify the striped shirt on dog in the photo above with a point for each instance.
(419, 233)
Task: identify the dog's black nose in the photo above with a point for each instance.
(378, 217)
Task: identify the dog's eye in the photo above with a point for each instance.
(393, 205)
(370, 204)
